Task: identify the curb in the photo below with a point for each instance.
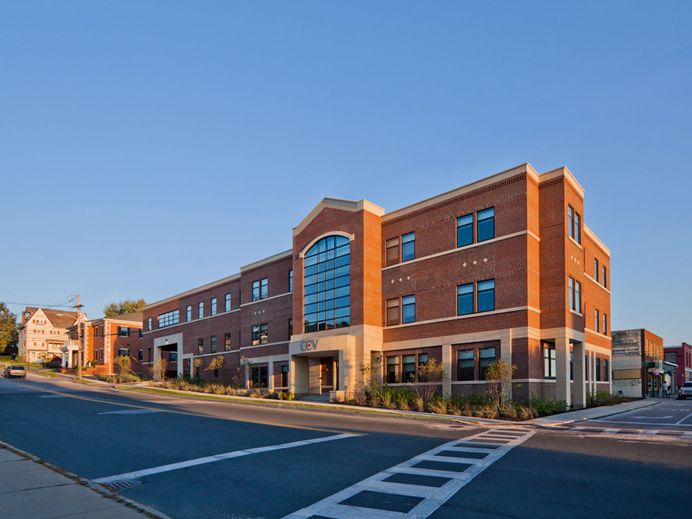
(99, 489)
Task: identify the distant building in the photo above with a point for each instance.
(43, 334)
(103, 339)
(681, 356)
(637, 363)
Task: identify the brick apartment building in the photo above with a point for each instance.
(502, 268)
(103, 339)
(43, 334)
(681, 356)
(637, 363)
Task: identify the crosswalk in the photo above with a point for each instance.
(417, 487)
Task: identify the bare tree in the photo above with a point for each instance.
(499, 376)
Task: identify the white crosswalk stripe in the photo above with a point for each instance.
(493, 444)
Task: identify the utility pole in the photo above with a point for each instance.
(78, 305)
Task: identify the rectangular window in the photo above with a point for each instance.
(570, 292)
(408, 246)
(200, 310)
(169, 318)
(260, 289)
(486, 295)
(188, 313)
(260, 334)
(486, 356)
(392, 370)
(200, 346)
(465, 230)
(577, 227)
(290, 326)
(577, 296)
(140, 333)
(149, 323)
(226, 342)
(570, 221)
(284, 375)
(392, 247)
(212, 344)
(123, 331)
(597, 321)
(606, 370)
(598, 369)
(408, 309)
(409, 368)
(485, 226)
(393, 315)
(465, 299)
(227, 302)
(213, 306)
(290, 280)
(549, 361)
(605, 323)
(603, 277)
(466, 365)
(140, 356)
(595, 269)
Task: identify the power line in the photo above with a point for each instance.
(37, 305)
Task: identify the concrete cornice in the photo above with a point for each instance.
(341, 204)
(564, 172)
(193, 291)
(271, 259)
(596, 240)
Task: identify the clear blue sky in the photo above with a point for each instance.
(148, 147)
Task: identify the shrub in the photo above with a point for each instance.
(439, 406)
(123, 366)
(499, 375)
(547, 407)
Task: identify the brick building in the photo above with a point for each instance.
(681, 356)
(637, 363)
(502, 268)
(43, 335)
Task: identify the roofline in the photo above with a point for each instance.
(193, 291)
(562, 171)
(271, 259)
(596, 240)
(521, 169)
(341, 204)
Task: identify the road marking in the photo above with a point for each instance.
(680, 422)
(220, 457)
(611, 431)
(52, 396)
(432, 497)
(657, 424)
(132, 411)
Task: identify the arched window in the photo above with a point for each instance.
(327, 281)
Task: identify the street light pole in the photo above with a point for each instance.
(78, 305)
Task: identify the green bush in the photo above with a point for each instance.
(547, 407)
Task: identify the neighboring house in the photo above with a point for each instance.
(638, 369)
(681, 356)
(43, 334)
(502, 268)
(105, 338)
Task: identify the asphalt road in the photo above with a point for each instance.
(314, 462)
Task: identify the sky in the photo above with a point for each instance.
(147, 147)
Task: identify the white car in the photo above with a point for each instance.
(685, 390)
(15, 371)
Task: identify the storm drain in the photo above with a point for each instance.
(123, 484)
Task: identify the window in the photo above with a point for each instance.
(140, 333)
(212, 344)
(549, 361)
(392, 370)
(290, 280)
(577, 227)
(465, 299)
(486, 356)
(485, 224)
(465, 230)
(200, 346)
(595, 269)
(259, 376)
(605, 323)
(290, 326)
(260, 289)
(173, 356)
(188, 313)
(570, 292)
(408, 246)
(603, 276)
(284, 375)
(149, 323)
(486, 295)
(598, 369)
(392, 247)
(226, 342)
(200, 310)
(466, 365)
(227, 302)
(574, 293)
(327, 279)
(260, 334)
(213, 306)
(140, 356)
(123, 352)
(577, 295)
(570, 221)
(393, 316)
(606, 370)
(597, 321)
(408, 309)
(168, 318)
(409, 368)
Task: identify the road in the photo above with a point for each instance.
(200, 458)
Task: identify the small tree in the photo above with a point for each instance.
(499, 375)
(215, 365)
(160, 374)
(197, 365)
(429, 374)
(123, 366)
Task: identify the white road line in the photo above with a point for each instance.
(432, 497)
(131, 411)
(220, 457)
(611, 431)
(51, 396)
(680, 422)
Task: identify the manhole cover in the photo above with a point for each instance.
(123, 484)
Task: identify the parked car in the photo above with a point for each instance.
(15, 371)
(685, 390)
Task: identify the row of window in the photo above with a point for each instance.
(213, 344)
(405, 368)
(550, 365)
(471, 298)
(597, 322)
(403, 248)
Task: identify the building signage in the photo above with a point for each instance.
(309, 345)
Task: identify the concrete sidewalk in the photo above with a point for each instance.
(32, 489)
(591, 413)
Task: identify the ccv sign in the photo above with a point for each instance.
(310, 345)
